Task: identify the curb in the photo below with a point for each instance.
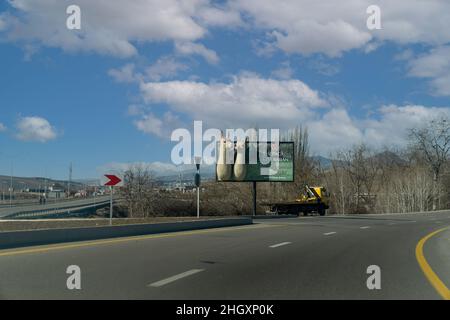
(16, 239)
(285, 216)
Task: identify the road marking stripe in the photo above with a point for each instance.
(46, 248)
(175, 278)
(329, 233)
(280, 244)
(365, 227)
(426, 268)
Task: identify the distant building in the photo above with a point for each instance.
(56, 193)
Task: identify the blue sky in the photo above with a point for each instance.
(65, 95)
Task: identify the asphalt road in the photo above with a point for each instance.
(297, 258)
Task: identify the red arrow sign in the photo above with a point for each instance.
(113, 180)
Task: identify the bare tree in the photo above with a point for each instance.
(339, 189)
(304, 166)
(361, 167)
(138, 191)
(433, 141)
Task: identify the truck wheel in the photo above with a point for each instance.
(322, 212)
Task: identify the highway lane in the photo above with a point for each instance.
(301, 258)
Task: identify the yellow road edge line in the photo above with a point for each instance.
(432, 277)
(80, 244)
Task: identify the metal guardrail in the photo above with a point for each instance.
(54, 211)
(33, 202)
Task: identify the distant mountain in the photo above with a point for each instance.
(22, 183)
(325, 163)
(184, 173)
(386, 157)
(88, 182)
(389, 157)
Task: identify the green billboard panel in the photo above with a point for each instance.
(259, 165)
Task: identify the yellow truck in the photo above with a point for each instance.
(312, 200)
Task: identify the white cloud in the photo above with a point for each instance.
(35, 129)
(164, 68)
(247, 100)
(136, 110)
(3, 21)
(151, 124)
(219, 17)
(125, 74)
(2, 127)
(323, 67)
(250, 100)
(284, 72)
(190, 48)
(294, 26)
(331, 38)
(434, 65)
(333, 27)
(388, 126)
(112, 27)
(395, 121)
(333, 131)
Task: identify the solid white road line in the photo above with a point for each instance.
(329, 233)
(280, 244)
(365, 227)
(175, 278)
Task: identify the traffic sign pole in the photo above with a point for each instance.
(197, 183)
(111, 207)
(113, 181)
(198, 202)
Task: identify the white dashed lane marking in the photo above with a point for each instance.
(280, 245)
(175, 278)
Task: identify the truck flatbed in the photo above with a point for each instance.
(297, 208)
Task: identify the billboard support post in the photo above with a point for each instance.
(254, 198)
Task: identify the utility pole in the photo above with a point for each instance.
(11, 186)
(3, 191)
(70, 180)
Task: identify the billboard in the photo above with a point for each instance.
(255, 162)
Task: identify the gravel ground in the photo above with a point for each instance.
(18, 225)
